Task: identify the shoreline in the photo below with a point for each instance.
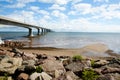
(92, 51)
(17, 62)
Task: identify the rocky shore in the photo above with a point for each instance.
(16, 64)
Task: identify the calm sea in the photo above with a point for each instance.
(67, 39)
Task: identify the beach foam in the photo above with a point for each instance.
(1, 41)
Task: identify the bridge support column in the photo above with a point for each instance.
(42, 31)
(30, 32)
(38, 32)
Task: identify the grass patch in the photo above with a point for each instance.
(89, 74)
(39, 69)
(77, 58)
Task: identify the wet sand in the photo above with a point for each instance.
(92, 50)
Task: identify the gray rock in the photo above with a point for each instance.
(29, 62)
(58, 73)
(116, 76)
(35, 76)
(26, 68)
(50, 66)
(41, 56)
(45, 76)
(9, 64)
(66, 61)
(105, 77)
(101, 62)
(14, 61)
(77, 66)
(71, 76)
(29, 69)
(110, 70)
(40, 76)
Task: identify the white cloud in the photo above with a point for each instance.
(76, 1)
(38, 10)
(34, 8)
(83, 8)
(114, 7)
(56, 19)
(47, 17)
(84, 25)
(25, 1)
(109, 11)
(104, 11)
(7, 1)
(43, 12)
(80, 25)
(72, 13)
(46, 1)
(57, 7)
(20, 3)
(60, 2)
(23, 16)
(58, 14)
(101, 0)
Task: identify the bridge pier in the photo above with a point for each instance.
(42, 31)
(30, 32)
(38, 33)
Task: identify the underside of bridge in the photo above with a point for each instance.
(40, 30)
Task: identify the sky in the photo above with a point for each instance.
(64, 15)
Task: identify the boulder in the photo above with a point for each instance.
(105, 77)
(9, 64)
(114, 60)
(29, 62)
(15, 50)
(50, 66)
(45, 76)
(29, 69)
(77, 66)
(41, 56)
(66, 61)
(116, 76)
(58, 73)
(35, 76)
(23, 76)
(40, 76)
(101, 63)
(2, 57)
(71, 76)
(110, 70)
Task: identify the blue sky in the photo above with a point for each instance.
(64, 15)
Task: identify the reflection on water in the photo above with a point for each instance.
(67, 40)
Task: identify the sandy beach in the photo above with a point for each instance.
(92, 50)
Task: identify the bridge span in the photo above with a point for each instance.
(8, 21)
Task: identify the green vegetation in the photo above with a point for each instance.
(39, 69)
(5, 76)
(92, 63)
(89, 75)
(77, 58)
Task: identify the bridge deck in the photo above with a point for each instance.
(8, 21)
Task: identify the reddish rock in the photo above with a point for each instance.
(23, 76)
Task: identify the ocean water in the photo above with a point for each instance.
(66, 39)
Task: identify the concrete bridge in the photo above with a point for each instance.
(8, 21)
